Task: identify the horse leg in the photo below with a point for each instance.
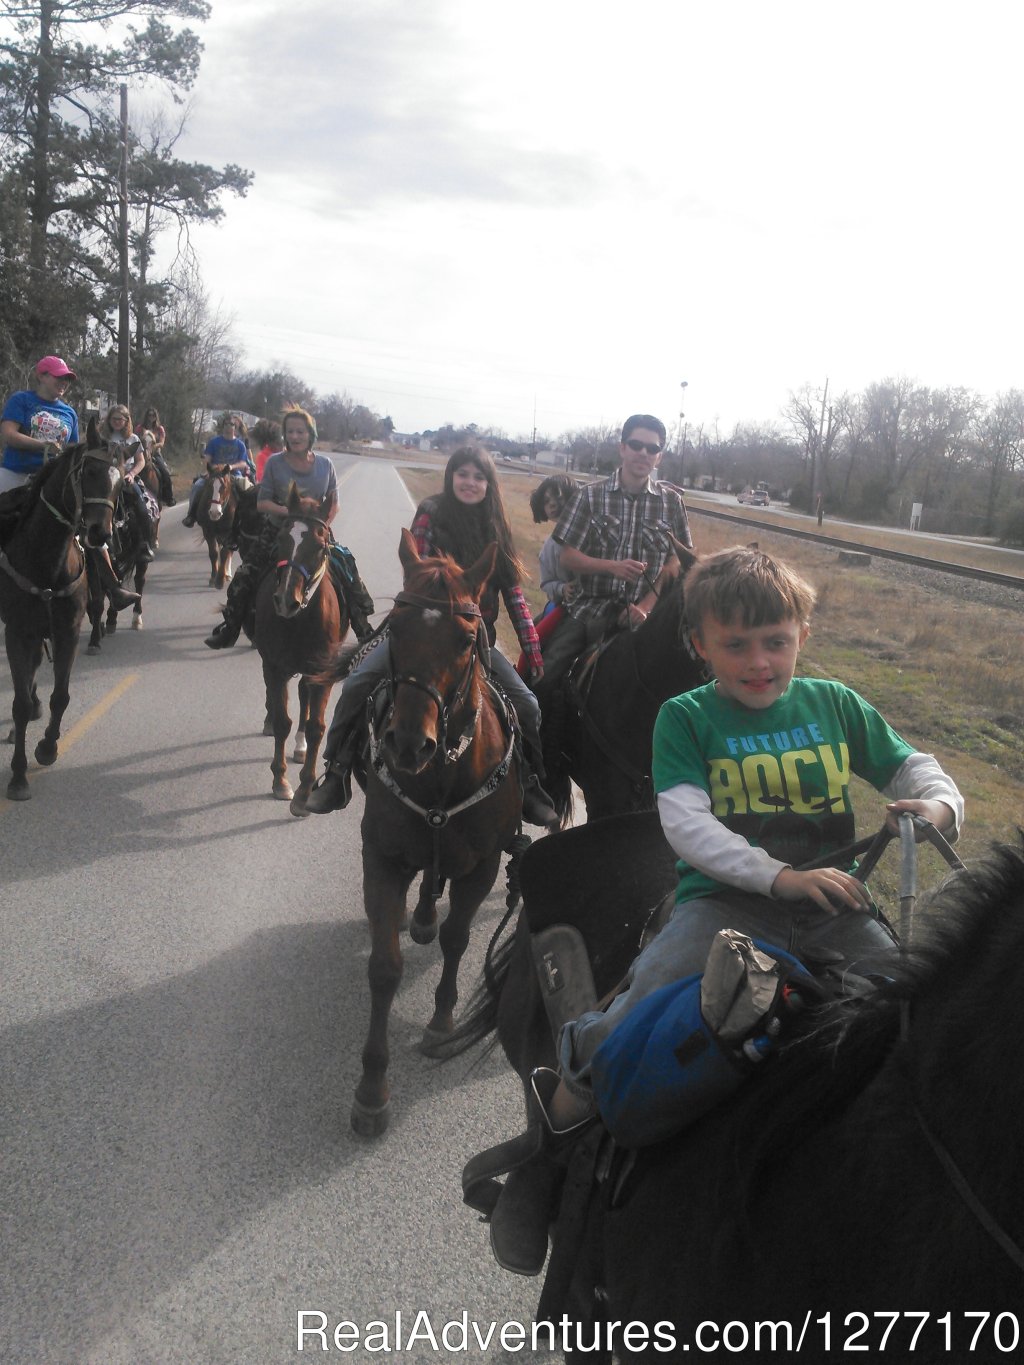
(94, 606)
(141, 569)
(23, 660)
(277, 697)
(213, 550)
(64, 650)
(384, 891)
(423, 925)
(301, 744)
(465, 897)
(313, 699)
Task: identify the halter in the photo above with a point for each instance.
(311, 581)
(74, 478)
(437, 817)
(455, 607)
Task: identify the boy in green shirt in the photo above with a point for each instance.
(752, 775)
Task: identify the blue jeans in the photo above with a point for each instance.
(682, 949)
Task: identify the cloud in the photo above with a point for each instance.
(370, 106)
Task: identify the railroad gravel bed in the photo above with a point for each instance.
(949, 585)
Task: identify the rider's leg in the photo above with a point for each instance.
(147, 550)
(120, 598)
(241, 591)
(556, 1114)
(164, 474)
(537, 807)
(334, 790)
(189, 518)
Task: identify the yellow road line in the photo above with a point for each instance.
(82, 726)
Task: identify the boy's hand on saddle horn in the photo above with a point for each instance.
(937, 812)
(829, 888)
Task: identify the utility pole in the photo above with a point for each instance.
(681, 439)
(123, 342)
(817, 493)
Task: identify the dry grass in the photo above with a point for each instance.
(946, 672)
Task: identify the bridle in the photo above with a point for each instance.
(446, 707)
(311, 578)
(72, 478)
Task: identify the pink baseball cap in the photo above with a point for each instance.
(52, 364)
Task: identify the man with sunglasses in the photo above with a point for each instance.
(614, 538)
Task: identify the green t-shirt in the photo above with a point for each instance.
(779, 777)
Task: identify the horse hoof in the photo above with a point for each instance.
(370, 1123)
(433, 1041)
(298, 806)
(111, 625)
(422, 933)
(45, 755)
(283, 791)
(18, 791)
(299, 756)
(93, 649)
(136, 623)
(268, 726)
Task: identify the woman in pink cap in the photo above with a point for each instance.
(34, 420)
(37, 423)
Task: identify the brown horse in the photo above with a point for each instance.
(215, 513)
(609, 712)
(299, 617)
(43, 586)
(443, 794)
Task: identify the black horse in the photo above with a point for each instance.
(609, 707)
(43, 585)
(128, 543)
(864, 1182)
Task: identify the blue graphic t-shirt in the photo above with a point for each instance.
(779, 777)
(45, 421)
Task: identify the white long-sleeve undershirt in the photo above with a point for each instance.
(702, 841)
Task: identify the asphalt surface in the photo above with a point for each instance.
(183, 1005)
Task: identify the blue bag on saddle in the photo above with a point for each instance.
(663, 1066)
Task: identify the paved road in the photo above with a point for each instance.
(182, 1008)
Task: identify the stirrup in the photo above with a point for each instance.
(562, 963)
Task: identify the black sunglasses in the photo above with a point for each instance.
(637, 446)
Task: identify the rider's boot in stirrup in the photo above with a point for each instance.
(120, 598)
(334, 790)
(526, 1205)
(537, 807)
(225, 635)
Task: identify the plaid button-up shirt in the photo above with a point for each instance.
(608, 523)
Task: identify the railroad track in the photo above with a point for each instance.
(1004, 580)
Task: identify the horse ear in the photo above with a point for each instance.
(687, 558)
(92, 434)
(477, 576)
(407, 551)
(294, 503)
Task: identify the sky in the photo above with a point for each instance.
(553, 213)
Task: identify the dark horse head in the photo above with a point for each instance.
(435, 660)
(303, 554)
(80, 488)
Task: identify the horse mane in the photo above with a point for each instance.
(433, 576)
(969, 925)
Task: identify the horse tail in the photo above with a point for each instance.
(559, 788)
(334, 663)
(480, 1021)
